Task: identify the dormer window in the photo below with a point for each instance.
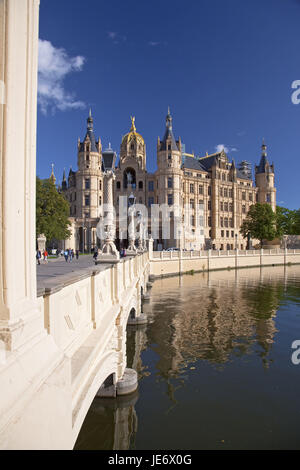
(87, 148)
(169, 156)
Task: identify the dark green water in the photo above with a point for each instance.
(214, 364)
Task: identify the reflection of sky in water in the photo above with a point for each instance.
(214, 362)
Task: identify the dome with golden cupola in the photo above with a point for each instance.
(133, 135)
(133, 146)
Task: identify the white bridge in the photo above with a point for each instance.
(61, 343)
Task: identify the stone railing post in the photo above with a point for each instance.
(150, 248)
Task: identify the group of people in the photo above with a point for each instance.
(69, 254)
(39, 256)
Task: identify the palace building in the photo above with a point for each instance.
(222, 190)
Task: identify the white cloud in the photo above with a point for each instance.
(221, 147)
(54, 66)
(226, 148)
(116, 37)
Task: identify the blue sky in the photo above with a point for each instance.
(225, 68)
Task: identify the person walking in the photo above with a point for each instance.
(38, 257)
(77, 254)
(70, 255)
(66, 253)
(46, 256)
(95, 255)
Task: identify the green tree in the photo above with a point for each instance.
(260, 223)
(287, 221)
(52, 211)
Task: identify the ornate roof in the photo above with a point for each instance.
(132, 134)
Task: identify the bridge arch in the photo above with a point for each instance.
(103, 370)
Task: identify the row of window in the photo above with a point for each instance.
(87, 200)
(250, 196)
(227, 233)
(140, 185)
(225, 222)
(87, 184)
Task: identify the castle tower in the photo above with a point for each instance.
(169, 174)
(89, 184)
(265, 180)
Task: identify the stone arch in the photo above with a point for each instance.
(102, 370)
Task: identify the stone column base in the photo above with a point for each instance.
(128, 383)
(146, 297)
(103, 258)
(140, 320)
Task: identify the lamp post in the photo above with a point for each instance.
(83, 234)
(131, 232)
(109, 253)
(141, 232)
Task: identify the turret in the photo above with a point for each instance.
(265, 179)
(168, 149)
(89, 151)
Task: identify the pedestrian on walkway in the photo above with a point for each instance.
(66, 253)
(70, 255)
(46, 256)
(95, 255)
(38, 257)
(77, 254)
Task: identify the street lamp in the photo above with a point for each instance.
(109, 250)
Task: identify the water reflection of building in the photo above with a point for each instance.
(111, 424)
(214, 316)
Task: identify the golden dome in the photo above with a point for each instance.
(132, 134)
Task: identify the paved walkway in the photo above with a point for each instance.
(57, 272)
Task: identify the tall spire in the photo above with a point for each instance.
(264, 148)
(52, 176)
(64, 181)
(90, 121)
(169, 120)
(263, 164)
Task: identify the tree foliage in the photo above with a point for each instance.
(52, 211)
(260, 223)
(287, 221)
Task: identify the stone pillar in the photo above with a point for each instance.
(109, 253)
(31, 356)
(19, 316)
(41, 241)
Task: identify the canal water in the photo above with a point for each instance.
(215, 367)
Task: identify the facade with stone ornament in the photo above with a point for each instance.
(210, 194)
